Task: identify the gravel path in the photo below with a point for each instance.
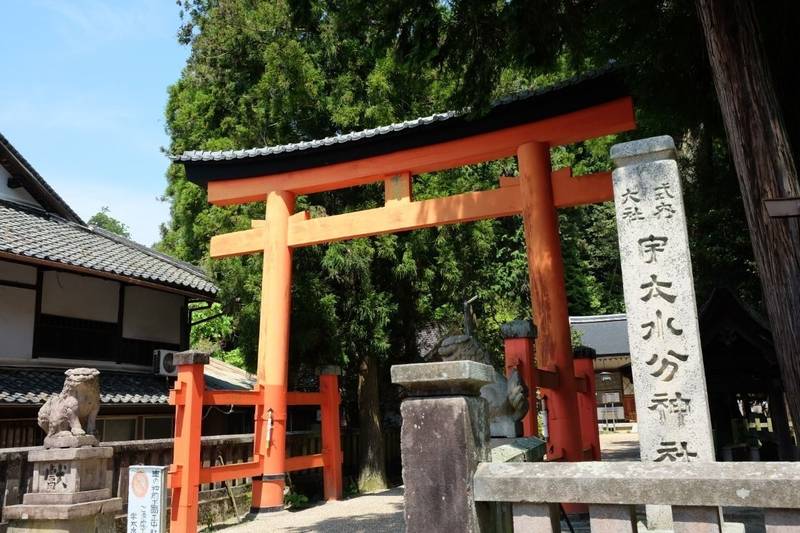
(378, 512)
(619, 446)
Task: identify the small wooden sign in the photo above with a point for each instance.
(783, 207)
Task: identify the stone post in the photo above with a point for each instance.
(666, 359)
(445, 435)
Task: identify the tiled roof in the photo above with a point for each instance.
(29, 386)
(33, 233)
(606, 334)
(418, 123)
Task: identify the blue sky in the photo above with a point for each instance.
(82, 96)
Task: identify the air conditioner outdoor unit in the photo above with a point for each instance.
(162, 363)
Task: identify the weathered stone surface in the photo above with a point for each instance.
(666, 358)
(62, 512)
(643, 151)
(766, 485)
(538, 517)
(69, 454)
(442, 441)
(521, 449)
(446, 378)
(696, 519)
(518, 329)
(69, 470)
(61, 498)
(190, 357)
(103, 523)
(68, 418)
(70, 491)
(612, 519)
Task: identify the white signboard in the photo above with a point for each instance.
(147, 499)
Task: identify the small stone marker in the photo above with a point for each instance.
(147, 499)
(666, 358)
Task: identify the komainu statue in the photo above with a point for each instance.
(507, 398)
(69, 417)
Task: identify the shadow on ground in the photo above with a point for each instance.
(390, 521)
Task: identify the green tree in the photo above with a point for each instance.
(103, 219)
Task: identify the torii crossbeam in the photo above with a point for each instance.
(527, 127)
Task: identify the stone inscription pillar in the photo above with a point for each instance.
(445, 435)
(666, 359)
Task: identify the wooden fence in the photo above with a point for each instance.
(16, 472)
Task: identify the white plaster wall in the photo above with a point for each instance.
(152, 315)
(16, 272)
(75, 296)
(19, 195)
(17, 310)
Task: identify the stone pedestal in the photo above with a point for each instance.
(445, 435)
(70, 492)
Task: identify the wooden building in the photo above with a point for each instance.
(75, 295)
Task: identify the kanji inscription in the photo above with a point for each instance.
(666, 359)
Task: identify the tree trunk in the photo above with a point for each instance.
(372, 463)
(765, 167)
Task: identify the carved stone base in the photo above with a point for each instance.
(68, 440)
(70, 492)
(97, 516)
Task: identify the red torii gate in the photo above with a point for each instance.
(527, 127)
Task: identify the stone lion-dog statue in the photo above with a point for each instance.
(69, 417)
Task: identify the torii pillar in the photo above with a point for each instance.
(273, 354)
(549, 299)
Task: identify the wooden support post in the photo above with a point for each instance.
(587, 403)
(549, 298)
(273, 355)
(331, 439)
(518, 339)
(397, 189)
(185, 467)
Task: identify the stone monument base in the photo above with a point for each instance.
(96, 516)
(65, 439)
(70, 492)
